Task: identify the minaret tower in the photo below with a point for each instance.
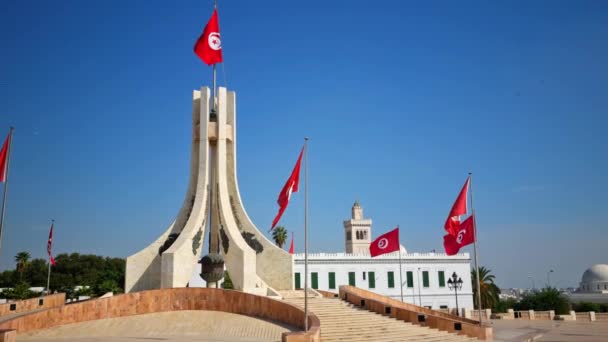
(358, 231)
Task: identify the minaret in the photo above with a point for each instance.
(357, 231)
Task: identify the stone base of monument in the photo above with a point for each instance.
(212, 202)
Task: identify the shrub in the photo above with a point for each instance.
(547, 299)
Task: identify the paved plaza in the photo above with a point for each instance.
(566, 331)
(212, 326)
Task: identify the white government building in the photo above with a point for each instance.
(425, 275)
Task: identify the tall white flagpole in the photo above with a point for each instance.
(306, 234)
(8, 162)
(475, 248)
(400, 271)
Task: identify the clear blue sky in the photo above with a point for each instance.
(400, 99)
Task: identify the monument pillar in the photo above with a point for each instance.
(255, 263)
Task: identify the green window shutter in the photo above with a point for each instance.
(298, 281)
(441, 279)
(371, 278)
(332, 280)
(425, 278)
(391, 280)
(351, 278)
(314, 278)
(410, 279)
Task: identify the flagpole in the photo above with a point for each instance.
(213, 105)
(8, 162)
(400, 272)
(475, 248)
(306, 234)
(48, 278)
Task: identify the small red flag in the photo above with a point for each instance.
(459, 208)
(49, 246)
(385, 243)
(4, 158)
(208, 47)
(291, 246)
(290, 187)
(465, 235)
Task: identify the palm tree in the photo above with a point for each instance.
(279, 234)
(489, 290)
(22, 259)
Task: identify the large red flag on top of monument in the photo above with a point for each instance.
(458, 209)
(290, 187)
(464, 236)
(208, 47)
(385, 243)
(4, 158)
(49, 246)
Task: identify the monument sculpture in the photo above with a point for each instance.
(212, 204)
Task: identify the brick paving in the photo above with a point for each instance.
(215, 326)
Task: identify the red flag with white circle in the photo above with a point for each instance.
(49, 246)
(208, 47)
(385, 243)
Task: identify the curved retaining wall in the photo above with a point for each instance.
(415, 314)
(20, 306)
(173, 300)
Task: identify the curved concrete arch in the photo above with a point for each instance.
(143, 269)
(273, 265)
(212, 199)
(178, 262)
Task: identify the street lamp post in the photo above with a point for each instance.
(549, 278)
(455, 283)
(533, 285)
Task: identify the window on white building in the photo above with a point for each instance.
(391, 279)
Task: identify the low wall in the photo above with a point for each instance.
(601, 316)
(415, 314)
(177, 299)
(328, 294)
(20, 306)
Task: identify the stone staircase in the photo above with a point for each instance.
(342, 321)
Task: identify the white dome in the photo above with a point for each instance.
(596, 273)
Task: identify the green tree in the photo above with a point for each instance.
(548, 298)
(37, 272)
(279, 235)
(22, 260)
(227, 283)
(586, 307)
(503, 304)
(489, 290)
(19, 292)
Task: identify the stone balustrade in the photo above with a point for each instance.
(415, 314)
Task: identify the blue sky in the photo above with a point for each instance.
(400, 100)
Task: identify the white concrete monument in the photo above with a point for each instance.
(212, 201)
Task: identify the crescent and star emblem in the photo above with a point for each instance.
(214, 41)
(383, 243)
(461, 236)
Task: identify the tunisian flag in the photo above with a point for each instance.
(49, 246)
(290, 186)
(458, 209)
(208, 47)
(291, 246)
(465, 235)
(4, 158)
(385, 243)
